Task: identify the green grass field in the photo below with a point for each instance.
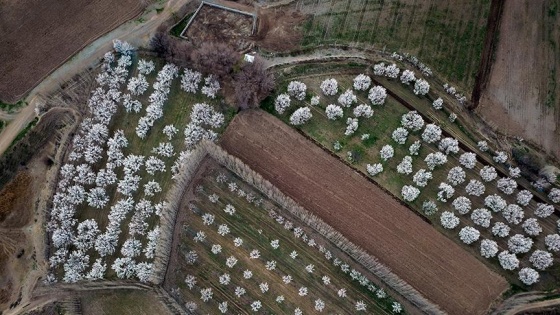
(448, 35)
(386, 118)
(257, 229)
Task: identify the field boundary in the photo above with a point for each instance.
(215, 5)
(169, 217)
(369, 262)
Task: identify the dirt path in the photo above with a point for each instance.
(138, 34)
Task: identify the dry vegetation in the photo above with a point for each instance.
(408, 245)
(47, 33)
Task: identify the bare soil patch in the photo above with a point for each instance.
(521, 98)
(434, 265)
(38, 36)
(279, 29)
(15, 210)
(213, 24)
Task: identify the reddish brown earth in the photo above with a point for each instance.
(36, 36)
(437, 267)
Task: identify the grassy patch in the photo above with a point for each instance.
(177, 29)
(9, 107)
(25, 130)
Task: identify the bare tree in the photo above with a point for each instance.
(215, 58)
(161, 43)
(253, 83)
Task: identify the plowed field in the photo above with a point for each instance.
(437, 267)
(38, 36)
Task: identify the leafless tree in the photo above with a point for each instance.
(215, 58)
(253, 83)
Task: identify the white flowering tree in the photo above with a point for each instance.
(554, 195)
(315, 100)
(300, 116)
(421, 177)
(482, 217)
(190, 80)
(429, 207)
(362, 82)
(519, 244)
(488, 173)
(329, 87)
(524, 197)
(421, 87)
(415, 147)
(374, 169)
(475, 188)
(500, 157)
(377, 95)
(432, 133)
(412, 121)
(456, 176)
(508, 261)
(438, 104)
(297, 89)
(469, 235)
(334, 112)
(410, 193)
(552, 242)
(532, 227)
(449, 145)
(500, 229)
(405, 167)
(281, 103)
(488, 248)
(400, 135)
(513, 214)
(449, 220)
(468, 160)
(386, 152)
(507, 185)
(528, 276)
(541, 259)
(495, 202)
(351, 126)
(445, 192)
(363, 110)
(392, 71)
(407, 77)
(435, 159)
(347, 98)
(462, 204)
(482, 145)
(544, 210)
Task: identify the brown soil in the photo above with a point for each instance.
(522, 95)
(434, 265)
(279, 29)
(213, 24)
(37, 36)
(15, 210)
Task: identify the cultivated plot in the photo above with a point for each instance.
(365, 214)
